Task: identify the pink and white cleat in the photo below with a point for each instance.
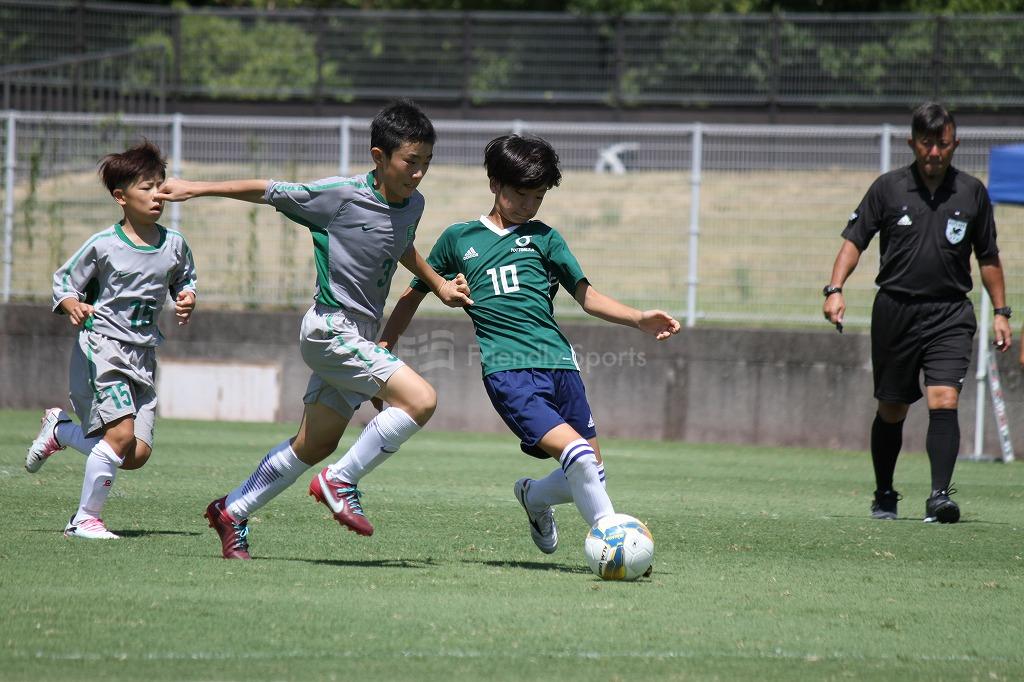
(343, 501)
(89, 529)
(45, 443)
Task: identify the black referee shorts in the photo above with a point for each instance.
(909, 335)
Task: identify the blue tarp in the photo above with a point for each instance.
(1006, 174)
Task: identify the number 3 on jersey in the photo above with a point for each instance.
(504, 279)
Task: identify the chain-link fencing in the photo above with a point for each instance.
(727, 223)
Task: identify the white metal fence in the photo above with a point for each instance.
(721, 223)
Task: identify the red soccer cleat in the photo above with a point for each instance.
(234, 535)
(343, 501)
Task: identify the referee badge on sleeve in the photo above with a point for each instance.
(955, 230)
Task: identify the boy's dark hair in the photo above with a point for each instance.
(399, 122)
(142, 162)
(930, 118)
(524, 161)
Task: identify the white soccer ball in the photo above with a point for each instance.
(619, 547)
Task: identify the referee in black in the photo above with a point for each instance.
(929, 216)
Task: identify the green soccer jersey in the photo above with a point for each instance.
(513, 275)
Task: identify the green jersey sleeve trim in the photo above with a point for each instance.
(327, 185)
(65, 288)
(322, 261)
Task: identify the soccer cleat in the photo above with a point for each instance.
(89, 529)
(343, 501)
(234, 535)
(940, 509)
(542, 523)
(884, 504)
(45, 443)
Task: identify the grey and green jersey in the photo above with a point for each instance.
(358, 237)
(126, 284)
(513, 276)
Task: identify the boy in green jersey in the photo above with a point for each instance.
(362, 227)
(113, 289)
(514, 265)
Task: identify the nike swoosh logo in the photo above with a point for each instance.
(367, 228)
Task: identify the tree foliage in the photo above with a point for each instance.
(636, 6)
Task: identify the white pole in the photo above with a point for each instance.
(9, 161)
(885, 162)
(981, 375)
(344, 155)
(695, 170)
(176, 168)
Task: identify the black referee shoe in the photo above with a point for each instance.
(940, 509)
(884, 505)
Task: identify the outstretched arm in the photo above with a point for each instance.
(396, 325)
(846, 262)
(992, 278)
(176, 189)
(453, 293)
(401, 316)
(657, 323)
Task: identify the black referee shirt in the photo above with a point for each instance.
(926, 241)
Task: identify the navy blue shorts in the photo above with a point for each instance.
(534, 401)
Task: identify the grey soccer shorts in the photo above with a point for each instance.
(111, 379)
(348, 368)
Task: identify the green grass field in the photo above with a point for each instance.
(767, 568)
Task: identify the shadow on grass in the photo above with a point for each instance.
(359, 563)
(126, 533)
(910, 519)
(146, 533)
(532, 566)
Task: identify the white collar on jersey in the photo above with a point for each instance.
(500, 231)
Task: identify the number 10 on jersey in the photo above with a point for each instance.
(504, 279)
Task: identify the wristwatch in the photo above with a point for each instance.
(829, 290)
(1005, 311)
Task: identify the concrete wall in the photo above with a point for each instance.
(769, 387)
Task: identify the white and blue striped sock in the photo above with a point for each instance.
(579, 463)
(554, 489)
(278, 470)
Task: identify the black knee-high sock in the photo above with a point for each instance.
(886, 442)
(943, 445)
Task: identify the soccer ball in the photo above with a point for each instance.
(620, 547)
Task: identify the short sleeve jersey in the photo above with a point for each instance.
(358, 237)
(925, 241)
(513, 275)
(126, 284)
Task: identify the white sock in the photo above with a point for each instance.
(554, 489)
(579, 462)
(72, 435)
(278, 470)
(548, 491)
(100, 468)
(379, 440)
